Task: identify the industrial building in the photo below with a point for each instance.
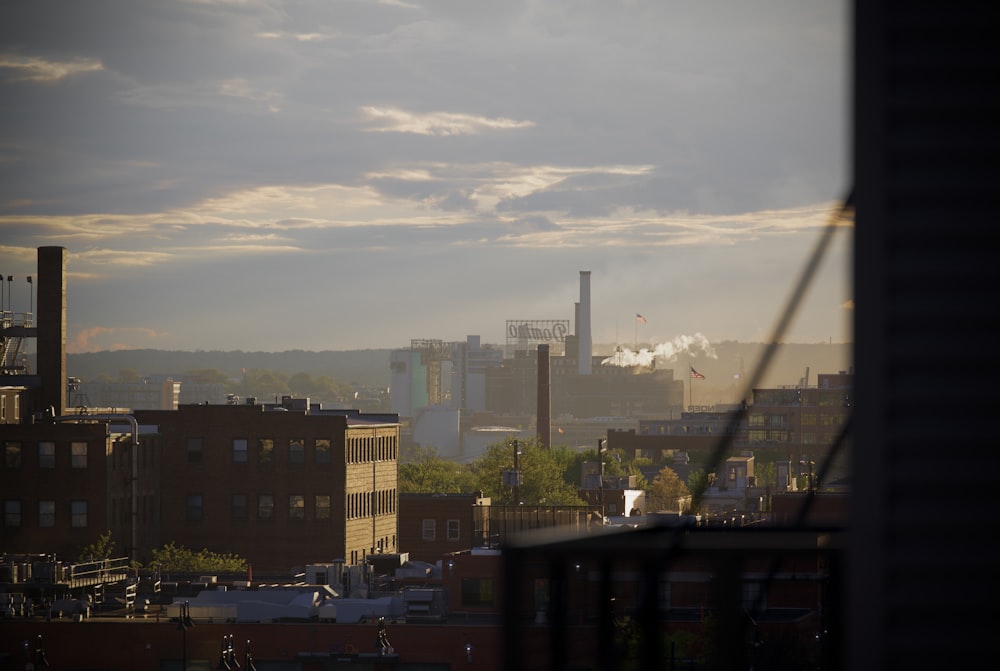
(545, 381)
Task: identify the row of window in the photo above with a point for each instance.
(14, 511)
(265, 451)
(265, 507)
(359, 450)
(14, 452)
(780, 421)
(366, 504)
(453, 529)
(757, 436)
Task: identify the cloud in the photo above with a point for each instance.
(480, 151)
(35, 69)
(396, 120)
(98, 338)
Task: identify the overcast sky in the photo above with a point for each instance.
(268, 175)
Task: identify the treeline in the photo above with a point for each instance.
(549, 476)
(364, 368)
(269, 385)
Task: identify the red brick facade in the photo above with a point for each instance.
(433, 525)
(278, 488)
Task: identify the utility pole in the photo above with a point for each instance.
(517, 476)
(601, 444)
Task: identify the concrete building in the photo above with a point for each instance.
(445, 391)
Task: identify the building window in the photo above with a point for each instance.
(78, 514)
(239, 450)
(477, 592)
(265, 507)
(296, 451)
(664, 589)
(429, 531)
(12, 454)
(194, 511)
(12, 513)
(240, 511)
(194, 450)
(265, 451)
(46, 454)
(322, 507)
(754, 597)
(323, 451)
(46, 513)
(296, 507)
(453, 530)
(78, 455)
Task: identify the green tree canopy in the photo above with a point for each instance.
(264, 384)
(178, 559)
(99, 549)
(207, 376)
(422, 471)
(666, 491)
(543, 471)
(697, 482)
(128, 375)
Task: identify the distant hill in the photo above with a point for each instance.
(367, 367)
(370, 367)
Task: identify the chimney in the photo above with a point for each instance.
(585, 344)
(544, 398)
(51, 331)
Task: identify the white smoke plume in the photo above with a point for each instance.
(696, 344)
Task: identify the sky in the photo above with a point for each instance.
(263, 175)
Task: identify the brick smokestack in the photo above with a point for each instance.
(544, 413)
(585, 343)
(51, 340)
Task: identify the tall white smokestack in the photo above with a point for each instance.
(583, 337)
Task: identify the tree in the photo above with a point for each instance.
(697, 482)
(422, 471)
(206, 376)
(667, 491)
(128, 375)
(100, 549)
(543, 474)
(178, 559)
(264, 384)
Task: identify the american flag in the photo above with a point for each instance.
(639, 318)
(695, 375)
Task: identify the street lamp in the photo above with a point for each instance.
(184, 622)
(512, 478)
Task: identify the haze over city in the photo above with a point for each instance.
(266, 175)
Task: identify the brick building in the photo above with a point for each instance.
(64, 484)
(281, 486)
(433, 525)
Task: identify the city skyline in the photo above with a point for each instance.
(275, 176)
